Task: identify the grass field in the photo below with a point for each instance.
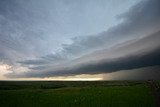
(75, 94)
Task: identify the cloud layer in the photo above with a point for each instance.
(105, 62)
(132, 43)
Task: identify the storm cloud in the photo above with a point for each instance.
(130, 42)
(137, 58)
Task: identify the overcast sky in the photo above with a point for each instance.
(79, 39)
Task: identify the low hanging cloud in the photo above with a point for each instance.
(132, 44)
(146, 73)
(137, 58)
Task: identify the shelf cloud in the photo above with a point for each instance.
(44, 40)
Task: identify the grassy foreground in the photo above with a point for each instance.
(75, 94)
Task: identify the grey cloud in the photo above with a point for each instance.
(44, 60)
(137, 24)
(33, 62)
(141, 20)
(54, 57)
(127, 63)
(143, 16)
(137, 59)
(128, 29)
(15, 24)
(146, 73)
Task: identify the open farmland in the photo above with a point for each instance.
(76, 94)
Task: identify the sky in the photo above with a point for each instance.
(79, 39)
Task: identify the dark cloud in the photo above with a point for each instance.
(140, 21)
(33, 62)
(126, 63)
(129, 61)
(137, 23)
(141, 17)
(146, 73)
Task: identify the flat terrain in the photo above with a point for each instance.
(76, 94)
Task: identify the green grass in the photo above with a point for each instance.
(137, 95)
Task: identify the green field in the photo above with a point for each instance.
(76, 94)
